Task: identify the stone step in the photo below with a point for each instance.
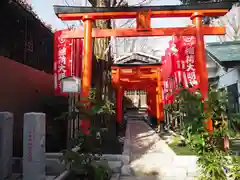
(136, 115)
(151, 158)
(139, 178)
(115, 176)
(139, 113)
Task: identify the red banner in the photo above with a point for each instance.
(175, 47)
(62, 60)
(77, 52)
(181, 63)
(170, 54)
(180, 74)
(167, 68)
(181, 53)
(168, 71)
(189, 43)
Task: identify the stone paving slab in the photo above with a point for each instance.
(154, 178)
(151, 158)
(139, 178)
(115, 176)
(148, 151)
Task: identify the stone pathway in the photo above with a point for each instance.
(151, 158)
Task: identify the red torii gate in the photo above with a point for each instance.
(140, 77)
(143, 17)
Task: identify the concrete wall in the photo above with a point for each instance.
(229, 77)
(137, 98)
(212, 68)
(21, 88)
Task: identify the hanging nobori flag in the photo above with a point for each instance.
(170, 52)
(171, 83)
(189, 43)
(167, 68)
(177, 60)
(77, 55)
(62, 60)
(181, 74)
(165, 92)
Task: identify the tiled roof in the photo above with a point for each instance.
(137, 58)
(225, 52)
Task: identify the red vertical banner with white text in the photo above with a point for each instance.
(177, 60)
(189, 43)
(62, 60)
(163, 78)
(167, 72)
(77, 55)
(182, 57)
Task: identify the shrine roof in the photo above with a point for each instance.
(84, 9)
(137, 59)
(225, 52)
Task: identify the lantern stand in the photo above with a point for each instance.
(70, 85)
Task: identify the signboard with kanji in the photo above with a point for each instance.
(70, 85)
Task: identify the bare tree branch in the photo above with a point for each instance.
(232, 22)
(93, 3)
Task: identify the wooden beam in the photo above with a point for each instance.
(135, 82)
(134, 67)
(139, 65)
(78, 12)
(135, 73)
(129, 15)
(139, 78)
(135, 85)
(132, 32)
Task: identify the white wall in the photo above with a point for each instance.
(229, 77)
(212, 67)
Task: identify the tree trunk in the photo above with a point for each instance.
(100, 47)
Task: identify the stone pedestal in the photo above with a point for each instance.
(34, 146)
(6, 144)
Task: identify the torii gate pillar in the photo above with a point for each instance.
(201, 65)
(159, 105)
(86, 68)
(119, 104)
(151, 101)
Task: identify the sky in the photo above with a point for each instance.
(44, 9)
